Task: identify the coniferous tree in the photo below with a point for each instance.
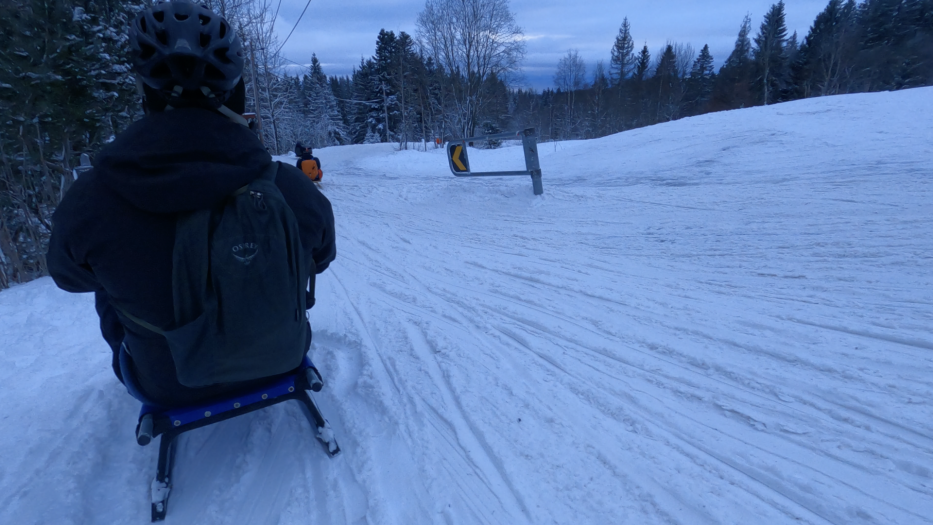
(825, 61)
(384, 67)
(408, 66)
(327, 127)
(700, 82)
(879, 57)
(668, 86)
(638, 111)
(366, 103)
(598, 113)
(65, 89)
(913, 26)
(342, 88)
(733, 83)
(770, 59)
(791, 47)
(622, 59)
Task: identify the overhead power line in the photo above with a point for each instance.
(293, 28)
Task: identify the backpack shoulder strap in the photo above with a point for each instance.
(145, 324)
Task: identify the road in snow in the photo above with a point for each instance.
(725, 319)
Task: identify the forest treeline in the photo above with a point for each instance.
(401, 94)
(66, 86)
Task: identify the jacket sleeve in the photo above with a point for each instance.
(314, 214)
(66, 258)
(71, 272)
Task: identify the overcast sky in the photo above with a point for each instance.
(342, 32)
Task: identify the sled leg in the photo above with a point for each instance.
(324, 433)
(162, 484)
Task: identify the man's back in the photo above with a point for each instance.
(115, 229)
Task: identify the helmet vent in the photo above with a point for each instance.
(186, 65)
(162, 37)
(205, 40)
(142, 24)
(221, 54)
(159, 16)
(212, 73)
(204, 19)
(181, 17)
(161, 70)
(223, 29)
(146, 51)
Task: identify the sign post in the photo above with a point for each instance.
(460, 163)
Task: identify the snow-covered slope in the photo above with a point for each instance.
(725, 319)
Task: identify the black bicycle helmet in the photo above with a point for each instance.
(180, 44)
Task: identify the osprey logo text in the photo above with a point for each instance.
(245, 252)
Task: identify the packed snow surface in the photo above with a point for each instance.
(724, 319)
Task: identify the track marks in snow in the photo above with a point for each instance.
(659, 327)
(729, 326)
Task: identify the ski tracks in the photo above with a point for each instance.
(665, 376)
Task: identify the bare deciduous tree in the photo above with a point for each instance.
(570, 77)
(684, 62)
(473, 40)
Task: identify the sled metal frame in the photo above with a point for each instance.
(529, 139)
(171, 423)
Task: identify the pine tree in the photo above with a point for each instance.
(623, 57)
(825, 61)
(770, 60)
(366, 102)
(637, 113)
(326, 125)
(732, 89)
(385, 65)
(642, 63)
(700, 83)
(65, 89)
(879, 56)
(913, 26)
(601, 85)
(667, 81)
(407, 66)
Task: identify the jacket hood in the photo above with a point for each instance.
(181, 160)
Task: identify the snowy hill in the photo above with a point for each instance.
(725, 319)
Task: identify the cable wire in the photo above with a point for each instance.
(293, 28)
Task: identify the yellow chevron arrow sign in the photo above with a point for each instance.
(458, 158)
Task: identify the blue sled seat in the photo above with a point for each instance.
(169, 423)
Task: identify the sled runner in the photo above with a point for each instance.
(170, 423)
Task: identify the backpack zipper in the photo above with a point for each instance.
(257, 200)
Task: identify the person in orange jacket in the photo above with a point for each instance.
(309, 164)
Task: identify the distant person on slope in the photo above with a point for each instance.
(186, 210)
(308, 163)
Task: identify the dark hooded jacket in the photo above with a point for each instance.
(114, 231)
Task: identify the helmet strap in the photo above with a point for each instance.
(229, 113)
(175, 94)
(142, 94)
(233, 116)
